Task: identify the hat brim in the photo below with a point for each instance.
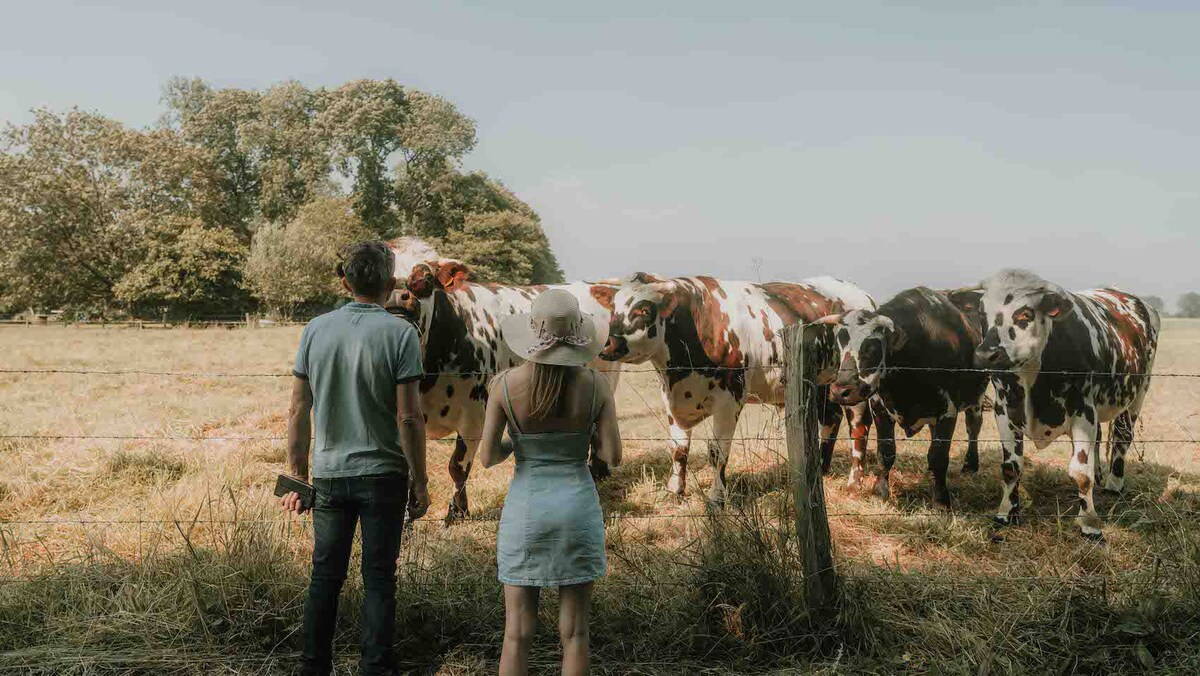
(518, 334)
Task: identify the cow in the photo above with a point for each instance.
(914, 359)
(717, 345)
(1062, 364)
(462, 349)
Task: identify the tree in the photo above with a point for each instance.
(508, 247)
(215, 119)
(362, 120)
(293, 265)
(1189, 305)
(1155, 302)
(185, 268)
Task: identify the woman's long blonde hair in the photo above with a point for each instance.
(546, 390)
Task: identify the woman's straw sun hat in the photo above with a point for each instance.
(555, 331)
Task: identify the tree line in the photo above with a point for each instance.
(241, 199)
(1188, 305)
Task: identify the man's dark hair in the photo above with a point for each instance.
(367, 266)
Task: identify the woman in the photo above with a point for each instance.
(551, 530)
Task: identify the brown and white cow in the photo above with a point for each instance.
(717, 345)
(1063, 363)
(462, 349)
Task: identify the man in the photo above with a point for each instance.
(357, 372)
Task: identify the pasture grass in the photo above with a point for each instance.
(194, 571)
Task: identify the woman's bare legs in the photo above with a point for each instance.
(520, 624)
(575, 603)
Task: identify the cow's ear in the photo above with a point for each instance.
(966, 300)
(1054, 305)
(421, 281)
(897, 339)
(604, 296)
(452, 275)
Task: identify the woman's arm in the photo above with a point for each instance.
(491, 450)
(606, 442)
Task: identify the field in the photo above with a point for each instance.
(164, 553)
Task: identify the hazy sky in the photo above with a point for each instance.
(889, 146)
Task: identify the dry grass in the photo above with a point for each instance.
(189, 593)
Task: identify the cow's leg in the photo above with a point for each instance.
(681, 442)
(1012, 441)
(460, 470)
(726, 411)
(1118, 444)
(465, 447)
(885, 441)
(860, 427)
(1085, 451)
(973, 417)
(941, 433)
(830, 418)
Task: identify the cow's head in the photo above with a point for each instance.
(641, 308)
(864, 341)
(969, 302)
(1019, 312)
(414, 298)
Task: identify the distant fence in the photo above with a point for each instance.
(166, 322)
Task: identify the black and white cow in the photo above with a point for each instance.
(462, 349)
(1063, 363)
(717, 345)
(914, 359)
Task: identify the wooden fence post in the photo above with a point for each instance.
(804, 467)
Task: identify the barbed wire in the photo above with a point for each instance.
(623, 370)
(449, 440)
(1025, 516)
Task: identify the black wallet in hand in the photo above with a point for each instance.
(286, 484)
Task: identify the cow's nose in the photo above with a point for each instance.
(990, 357)
(615, 348)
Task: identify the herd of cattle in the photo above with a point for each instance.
(1059, 362)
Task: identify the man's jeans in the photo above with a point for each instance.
(379, 503)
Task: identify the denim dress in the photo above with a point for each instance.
(551, 528)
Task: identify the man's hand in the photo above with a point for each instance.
(291, 503)
(418, 499)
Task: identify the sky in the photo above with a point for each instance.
(925, 145)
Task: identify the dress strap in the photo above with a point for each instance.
(512, 419)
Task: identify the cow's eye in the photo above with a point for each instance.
(1024, 315)
(639, 312)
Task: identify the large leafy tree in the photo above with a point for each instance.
(76, 193)
(99, 216)
(293, 265)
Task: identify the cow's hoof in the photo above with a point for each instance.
(455, 513)
(882, 490)
(941, 500)
(968, 469)
(1114, 485)
(1000, 521)
(714, 504)
(675, 487)
(1097, 537)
